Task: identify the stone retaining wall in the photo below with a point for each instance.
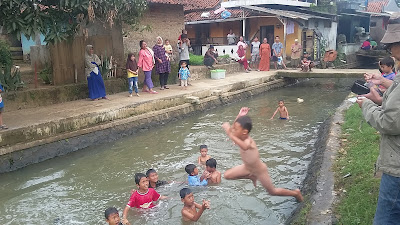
(41, 142)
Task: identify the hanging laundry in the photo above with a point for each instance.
(290, 27)
(225, 14)
(205, 14)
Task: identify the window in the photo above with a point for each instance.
(373, 24)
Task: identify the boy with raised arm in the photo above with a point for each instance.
(252, 168)
(189, 210)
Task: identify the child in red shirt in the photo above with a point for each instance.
(143, 197)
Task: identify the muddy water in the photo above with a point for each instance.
(77, 188)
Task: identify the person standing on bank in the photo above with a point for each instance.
(183, 49)
(146, 62)
(277, 49)
(265, 55)
(296, 52)
(163, 66)
(386, 120)
(96, 87)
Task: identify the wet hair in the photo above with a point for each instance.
(212, 163)
(203, 146)
(150, 171)
(138, 177)
(184, 191)
(110, 211)
(245, 122)
(141, 43)
(281, 101)
(388, 61)
(190, 168)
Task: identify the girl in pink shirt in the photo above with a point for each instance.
(146, 62)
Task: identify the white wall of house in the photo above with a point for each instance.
(237, 3)
(220, 49)
(328, 33)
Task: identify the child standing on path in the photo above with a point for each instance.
(184, 75)
(132, 70)
(2, 125)
(283, 112)
(252, 168)
(189, 210)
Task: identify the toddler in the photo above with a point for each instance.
(184, 75)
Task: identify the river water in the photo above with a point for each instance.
(77, 188)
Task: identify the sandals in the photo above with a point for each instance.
(153, 92)
(4, 127)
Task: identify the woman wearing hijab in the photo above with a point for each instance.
(265, 54)
(96, 86)
(163, 67)
(132, 71)
(242, 58)
(146, 62)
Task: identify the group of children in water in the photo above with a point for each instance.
(252, 168)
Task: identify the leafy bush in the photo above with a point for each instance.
(46, 74)
(196, 60)
(5, 54)
(10, 80)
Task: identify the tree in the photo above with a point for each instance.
(60, 20)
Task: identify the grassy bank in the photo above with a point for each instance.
(355, 184)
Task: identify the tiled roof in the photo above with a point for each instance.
(196, 16)
(172, 2)
(377, 6)
(201, 4)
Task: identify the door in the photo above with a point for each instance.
(267, 32)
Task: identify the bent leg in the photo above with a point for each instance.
(239, 172)
(266, 182)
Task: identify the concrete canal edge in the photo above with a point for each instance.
(72, 134)
(318, 185)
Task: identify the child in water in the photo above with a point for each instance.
(189, 210)
(193, 178)
(143, 197)
(112, 217)
(154, 182)
(215, 175)
(203, 155)
(283, 112)
(252, 168)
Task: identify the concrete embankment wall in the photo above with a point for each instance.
(40, 142)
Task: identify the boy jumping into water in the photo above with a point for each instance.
(283, 112)
(252, 168)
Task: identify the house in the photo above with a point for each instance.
(163, 18)
(289, 20)
(380, 11)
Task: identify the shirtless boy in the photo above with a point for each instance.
(203, 155)
(283, 112)
(253, 168)
(189, 210)
(215, 175)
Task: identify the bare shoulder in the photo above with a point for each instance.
(251, 143)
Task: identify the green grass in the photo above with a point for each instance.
(301, 218)
(196, 60)
(358, 193)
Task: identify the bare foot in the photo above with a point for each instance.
(299, 196)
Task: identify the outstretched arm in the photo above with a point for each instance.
(274, 114)
(243, 111)
(245, 145)
(125, 213)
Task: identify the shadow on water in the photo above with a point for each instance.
(77, 188)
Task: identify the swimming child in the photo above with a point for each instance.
(152, 175)
(189, 210)
(203, 157)
(143, 197)
(283, 112)
(215, 175)
(252, 168)
(193, 178)
(112, 217)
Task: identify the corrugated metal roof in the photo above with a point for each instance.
(285, 13)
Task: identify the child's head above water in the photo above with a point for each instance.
(152, 175)
(203, 150)
(142, 182)
(211, 165)
(112, 216)
(281, 103)
(186, 196)
(386, 65)
(192, 170)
